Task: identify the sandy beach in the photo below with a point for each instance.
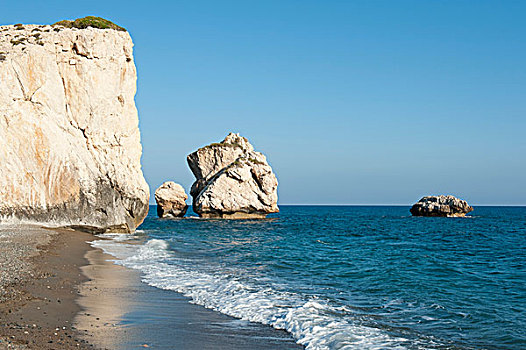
(39, 278)
(58, 292)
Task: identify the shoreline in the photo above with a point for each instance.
(59, 292)
(121, 312)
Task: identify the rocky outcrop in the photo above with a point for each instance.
(232, 180)
(171, 200)
(441, 206)
(69, 139)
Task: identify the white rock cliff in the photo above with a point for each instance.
(232, 180)
(69, 139)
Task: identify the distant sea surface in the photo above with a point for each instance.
(348, 277)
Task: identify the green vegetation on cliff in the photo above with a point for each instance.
(89, 21)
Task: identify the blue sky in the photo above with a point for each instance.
(353, 102)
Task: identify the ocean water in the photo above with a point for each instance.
(348, 277)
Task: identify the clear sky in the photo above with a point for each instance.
(353, 102)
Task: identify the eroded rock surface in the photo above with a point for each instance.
(171, 200)
(69, 139)
(441, 206)
(232, 180)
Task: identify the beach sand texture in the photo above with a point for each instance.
(39, 275)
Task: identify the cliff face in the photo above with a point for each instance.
(69, 138)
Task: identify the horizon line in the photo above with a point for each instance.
(379, 205)
(397, 205)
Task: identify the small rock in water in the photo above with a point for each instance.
(446, 206)
(171, 200)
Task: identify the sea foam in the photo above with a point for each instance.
(312, 321)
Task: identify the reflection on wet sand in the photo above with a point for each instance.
(121, 312)
(105, 298)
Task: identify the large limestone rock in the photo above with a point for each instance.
(441, 206)
(232, 180)
(69, 139)
(171, 200)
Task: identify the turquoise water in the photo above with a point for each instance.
(349, 277)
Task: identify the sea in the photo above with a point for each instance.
(347, 277)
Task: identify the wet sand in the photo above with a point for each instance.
(57, 292)
(121, 312)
